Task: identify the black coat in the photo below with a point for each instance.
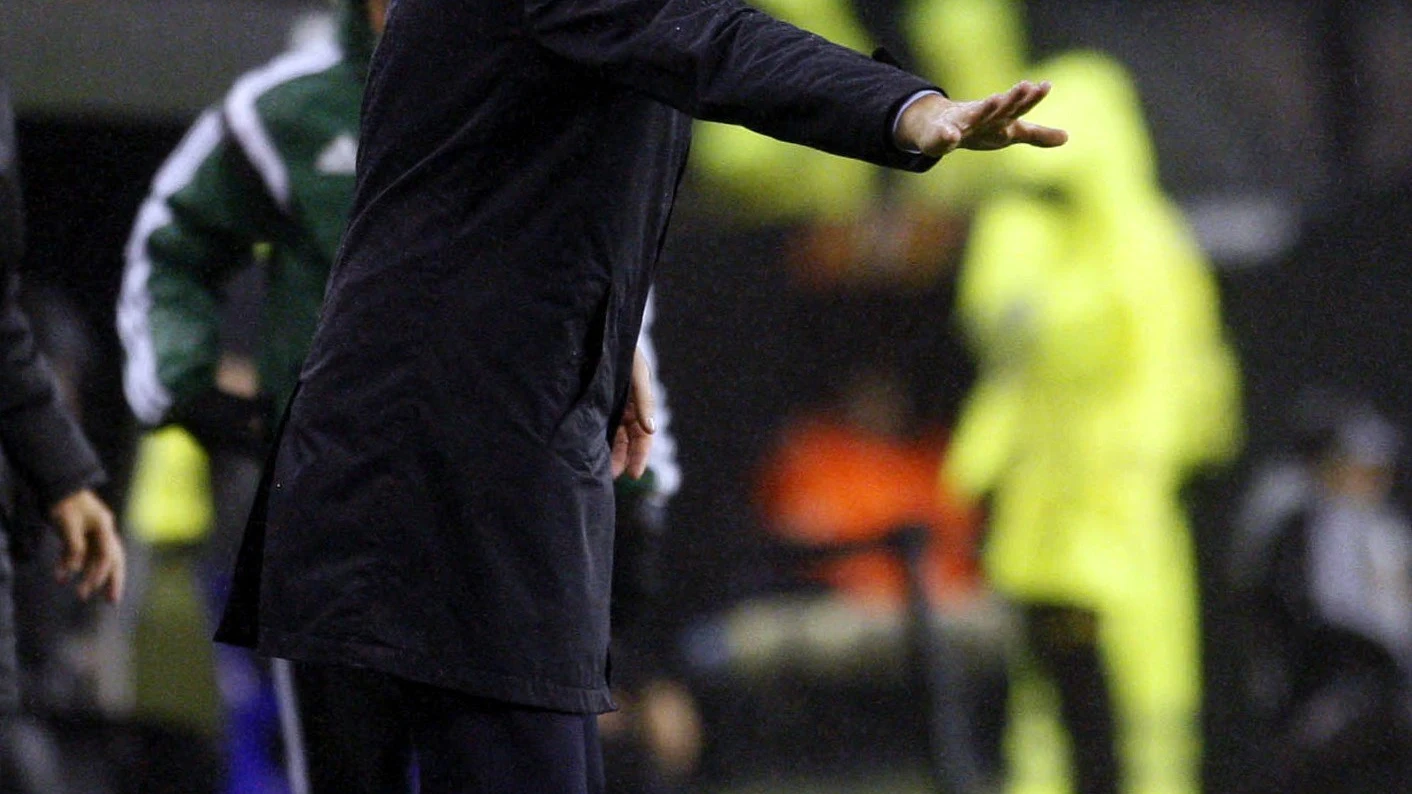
(440, 506)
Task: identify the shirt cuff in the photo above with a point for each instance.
(912, 100)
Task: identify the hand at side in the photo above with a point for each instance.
(92, 550)
(634, 437)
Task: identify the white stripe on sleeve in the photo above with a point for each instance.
(244, 118)
(146, 395)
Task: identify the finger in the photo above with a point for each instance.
(619, 454)
(638, 451)
(644, 402)
(1013, 99)
(117, 579)
(106, 569)
(1001, 112)
(1007, 103)
(978, 114)
(96, 572)
(645, 415)
(1038, 135)
(1032, 97)
(104, 552)
(75, 550)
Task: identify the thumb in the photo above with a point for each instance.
(644, 402)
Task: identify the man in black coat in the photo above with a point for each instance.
(439, 509)
(43, 446)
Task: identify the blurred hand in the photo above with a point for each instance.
(671, 724)
(92, 549)
(937, 126)
(634, 436)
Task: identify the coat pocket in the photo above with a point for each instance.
(581, 435)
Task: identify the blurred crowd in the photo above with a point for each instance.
(998, 545)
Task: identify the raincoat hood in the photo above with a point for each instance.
(1109, 150)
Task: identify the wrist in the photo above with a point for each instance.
(68, 501)
(914, 130)
(897, 125)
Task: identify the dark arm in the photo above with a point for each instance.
(721, 60)
(39, 440)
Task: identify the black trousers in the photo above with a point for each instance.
(351, 731)
(1064, 642)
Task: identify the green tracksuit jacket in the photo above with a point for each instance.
(267, 174)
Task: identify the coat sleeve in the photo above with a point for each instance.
(721, 60)
(206, 212)
(39, 440)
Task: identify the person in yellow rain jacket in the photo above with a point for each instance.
(1105, 381)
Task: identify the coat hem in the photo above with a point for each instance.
(417, 667)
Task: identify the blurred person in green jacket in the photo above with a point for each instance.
(267, 172)
(1105, 383)
(266, 178)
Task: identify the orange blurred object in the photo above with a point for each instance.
(830, 483)
(892, 246)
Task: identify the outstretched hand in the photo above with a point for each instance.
(937, 126)
(93, 553)
(634, 437)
